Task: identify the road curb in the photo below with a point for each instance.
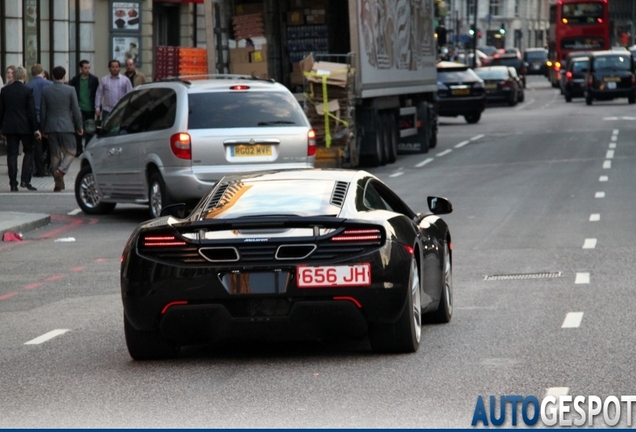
(22, 222)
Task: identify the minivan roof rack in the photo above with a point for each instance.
(224, 76)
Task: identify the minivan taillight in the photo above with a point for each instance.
(311, 143)
(181, 145)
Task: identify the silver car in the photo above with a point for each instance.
(171, 141)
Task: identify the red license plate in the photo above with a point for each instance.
(333, 276)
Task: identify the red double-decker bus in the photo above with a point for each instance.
(576, 25)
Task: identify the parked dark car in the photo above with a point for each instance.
(567, 61)
(298, 254)
(610, 76)
(500, 85)
(536, 61)
(511, 60)
(460, 92)
(573, 78)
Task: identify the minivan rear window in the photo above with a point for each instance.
(240, 109)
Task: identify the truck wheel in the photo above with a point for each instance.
(392, 138)
(424, 137)
(376, 158)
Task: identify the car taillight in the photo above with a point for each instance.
(174, 303)
(568, 76)
(590, 81)
(162, 241)
(181, 145)
(311, 143)
(504, 84)
(356, 235)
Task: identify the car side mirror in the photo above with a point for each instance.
(175, 210)
(439, 205)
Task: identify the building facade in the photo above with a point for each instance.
(501, 23)
(62, 32)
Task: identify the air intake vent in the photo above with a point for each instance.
(220, 254)
(218, 195)
(294, 252)
(339, 193)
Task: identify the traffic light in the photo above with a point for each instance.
(471, 32)
(502, 30)
(479, 34)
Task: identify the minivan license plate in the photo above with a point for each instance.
(333, 276)
(251, 150)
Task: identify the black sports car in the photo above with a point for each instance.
(300, 254)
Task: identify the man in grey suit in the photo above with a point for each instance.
(61, 118)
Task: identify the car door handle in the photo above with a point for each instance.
(114, 151)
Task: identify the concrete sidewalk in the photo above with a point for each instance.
(12, 221)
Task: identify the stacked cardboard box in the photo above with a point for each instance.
(336, 103)
(166, 62)
(250, 60)
(171, 61)
(306, 12)
(248, 26)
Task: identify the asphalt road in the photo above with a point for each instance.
(543, 192)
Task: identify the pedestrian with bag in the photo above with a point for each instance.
(40, 147)
(18, 124)
(61, 120)
(85, 84)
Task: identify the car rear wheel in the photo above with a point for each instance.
(444, 311)
(148, 345)
(568, 97)
(87, 196)
(157, 197)
(404, 335)
(631, 99)
(588, 99)
(472, 118)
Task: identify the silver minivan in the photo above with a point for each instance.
(171, 141)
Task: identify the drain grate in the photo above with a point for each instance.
(523, 276)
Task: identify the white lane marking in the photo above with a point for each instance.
(607, 164)
(599, 195)
(462, 144)
(46, 336)
(523, 105)
(572, 320)
(475, 138)
(609, 154)
(424, 162)
(589, 243)
(444, 153)
(615, 132)
(582, 278)
(610, 118)
(614, 138)
(612, 145)
(603, 178)
(74, 212)
(595, 217)
(397, 174)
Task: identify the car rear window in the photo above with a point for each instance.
(580, 66)
(536, 55)
(612, 63)
(457, 76)
(506, 62)
(240, 109)
(269, 198)
(492, 74)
